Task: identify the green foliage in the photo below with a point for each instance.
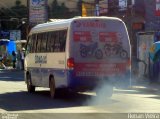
(61, 11)
(20, 11)
(17, 11)
(79, 6)
(58, 11)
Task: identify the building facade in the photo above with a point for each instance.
(152, 15)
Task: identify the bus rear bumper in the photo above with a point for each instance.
(84, 83)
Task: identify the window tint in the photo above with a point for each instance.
(53, 41)
(62, 40)
(57, 42)
(43, 42)
(38, 44)
(29, 45)
(34, 39)
(48, 44)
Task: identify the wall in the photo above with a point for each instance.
(152, 22)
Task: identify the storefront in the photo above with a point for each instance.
(154, 64)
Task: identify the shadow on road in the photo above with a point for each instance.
(11, 75)
(18, 101)
(147, 89)
(25, 101)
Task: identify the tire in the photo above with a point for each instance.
(123, 54)
(30, 87)
(52, 87)
(107, 50)
(99, 54)
(83, 52)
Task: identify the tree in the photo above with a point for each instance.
(79, 7)
(54, 8)
(64, 8)
(59, 11)
(19, 10)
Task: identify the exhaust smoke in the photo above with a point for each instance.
(105, 90)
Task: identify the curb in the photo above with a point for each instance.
(148, 87)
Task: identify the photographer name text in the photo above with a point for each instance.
(143, 115)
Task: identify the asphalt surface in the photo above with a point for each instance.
(142, 97)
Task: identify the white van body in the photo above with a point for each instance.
(95, 47)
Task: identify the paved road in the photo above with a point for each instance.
(14, 98)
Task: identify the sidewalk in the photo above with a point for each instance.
(149, 87)
(144, 84)
(9, 69)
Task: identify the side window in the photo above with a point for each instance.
(43, 42)
(52, 41)
(34, 39)
(62, 39)
(38, 44)
(48, 44)
(57, 42)
(29, 45)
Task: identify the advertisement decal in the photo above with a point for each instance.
(99, 69)
(98, 50)
(157, 12)
(37, 11)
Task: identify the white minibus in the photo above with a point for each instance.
(78, 54)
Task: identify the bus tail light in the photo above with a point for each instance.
(70, 63)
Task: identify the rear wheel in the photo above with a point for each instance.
(30, 87)
(52, 87)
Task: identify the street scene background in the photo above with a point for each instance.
(142, 19)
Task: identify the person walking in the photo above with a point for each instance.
(19, 65)
(22, 58)
(1, 62)
(14, 59)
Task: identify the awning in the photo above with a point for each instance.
(154, 49)
(4, 42)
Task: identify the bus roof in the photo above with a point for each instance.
(63, 23)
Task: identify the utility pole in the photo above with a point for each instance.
(130, 28)
(97, 7)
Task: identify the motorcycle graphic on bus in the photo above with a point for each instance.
(109, 50)
(115, 50)
(91, 50)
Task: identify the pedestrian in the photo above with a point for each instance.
(22, 58)
(1, 62)
(14, 59)
(19, 65)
